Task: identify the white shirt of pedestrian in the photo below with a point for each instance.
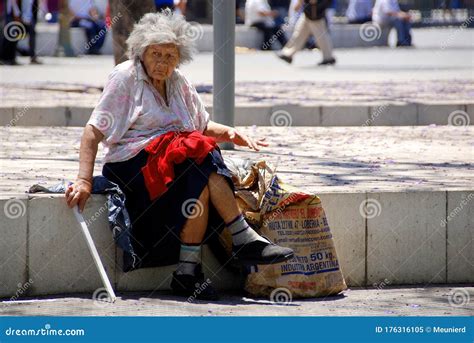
(382, 8)
(252, 9)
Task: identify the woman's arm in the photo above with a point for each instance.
(80, 191)
(224, 133)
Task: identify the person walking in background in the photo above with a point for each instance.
(8, 43)
(359, 11)
(311, 21)
(29, 16)
(388, 13)
(164, 4)
(330, 13)
(259, 14)
(87, 16)
(53, 11)
(281, 6)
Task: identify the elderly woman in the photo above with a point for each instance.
(161, 150)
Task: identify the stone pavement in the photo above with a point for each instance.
(356, 159)
(258, 93)
(412, 86)
(380, 301)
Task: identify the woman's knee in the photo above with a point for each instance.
(204, 197)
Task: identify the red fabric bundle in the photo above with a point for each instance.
(169, 149)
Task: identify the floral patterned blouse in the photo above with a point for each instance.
(131, 112)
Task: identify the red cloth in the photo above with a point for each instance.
(169, 149)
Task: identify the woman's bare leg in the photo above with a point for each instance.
(195, 227)
(222, 197)
(247, 246)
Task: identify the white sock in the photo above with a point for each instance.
(241, 231)
(189, 257)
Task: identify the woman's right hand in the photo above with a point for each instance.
(78, 193)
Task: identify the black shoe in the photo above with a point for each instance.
(287, 59)
(330, 61)
(34, 60)
(9, 62)
(259, 252)
(193, 286)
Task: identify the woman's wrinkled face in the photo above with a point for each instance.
(160, 60)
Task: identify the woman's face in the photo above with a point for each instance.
(160, 60)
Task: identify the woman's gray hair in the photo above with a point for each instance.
(161, 28)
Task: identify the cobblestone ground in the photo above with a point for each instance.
(389, 301)
(305, 93)
(318, 159)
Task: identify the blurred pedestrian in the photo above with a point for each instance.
(240, 11)
(388, 13)
(29, 16)
(282, 7)
(181, 6)
(164, 4)
(313, 21)
(87, 16)
(53, 11)
(331, 13)
(259, 14)
(12, 32)
(359, 11)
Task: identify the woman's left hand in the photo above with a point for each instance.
(241, 139)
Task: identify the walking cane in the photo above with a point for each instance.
(95, 254)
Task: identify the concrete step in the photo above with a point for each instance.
(403, 238)
(382, 114)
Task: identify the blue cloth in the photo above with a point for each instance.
(96, 30)
(118, 218)
(159, 3)
(359, 9)
(403, 28)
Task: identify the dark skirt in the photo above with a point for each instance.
(156, 225)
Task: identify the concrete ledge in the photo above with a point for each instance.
(344, 36)
(381, 114)
(402, 237)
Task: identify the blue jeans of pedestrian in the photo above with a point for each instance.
(403, 28)
(95, 33)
